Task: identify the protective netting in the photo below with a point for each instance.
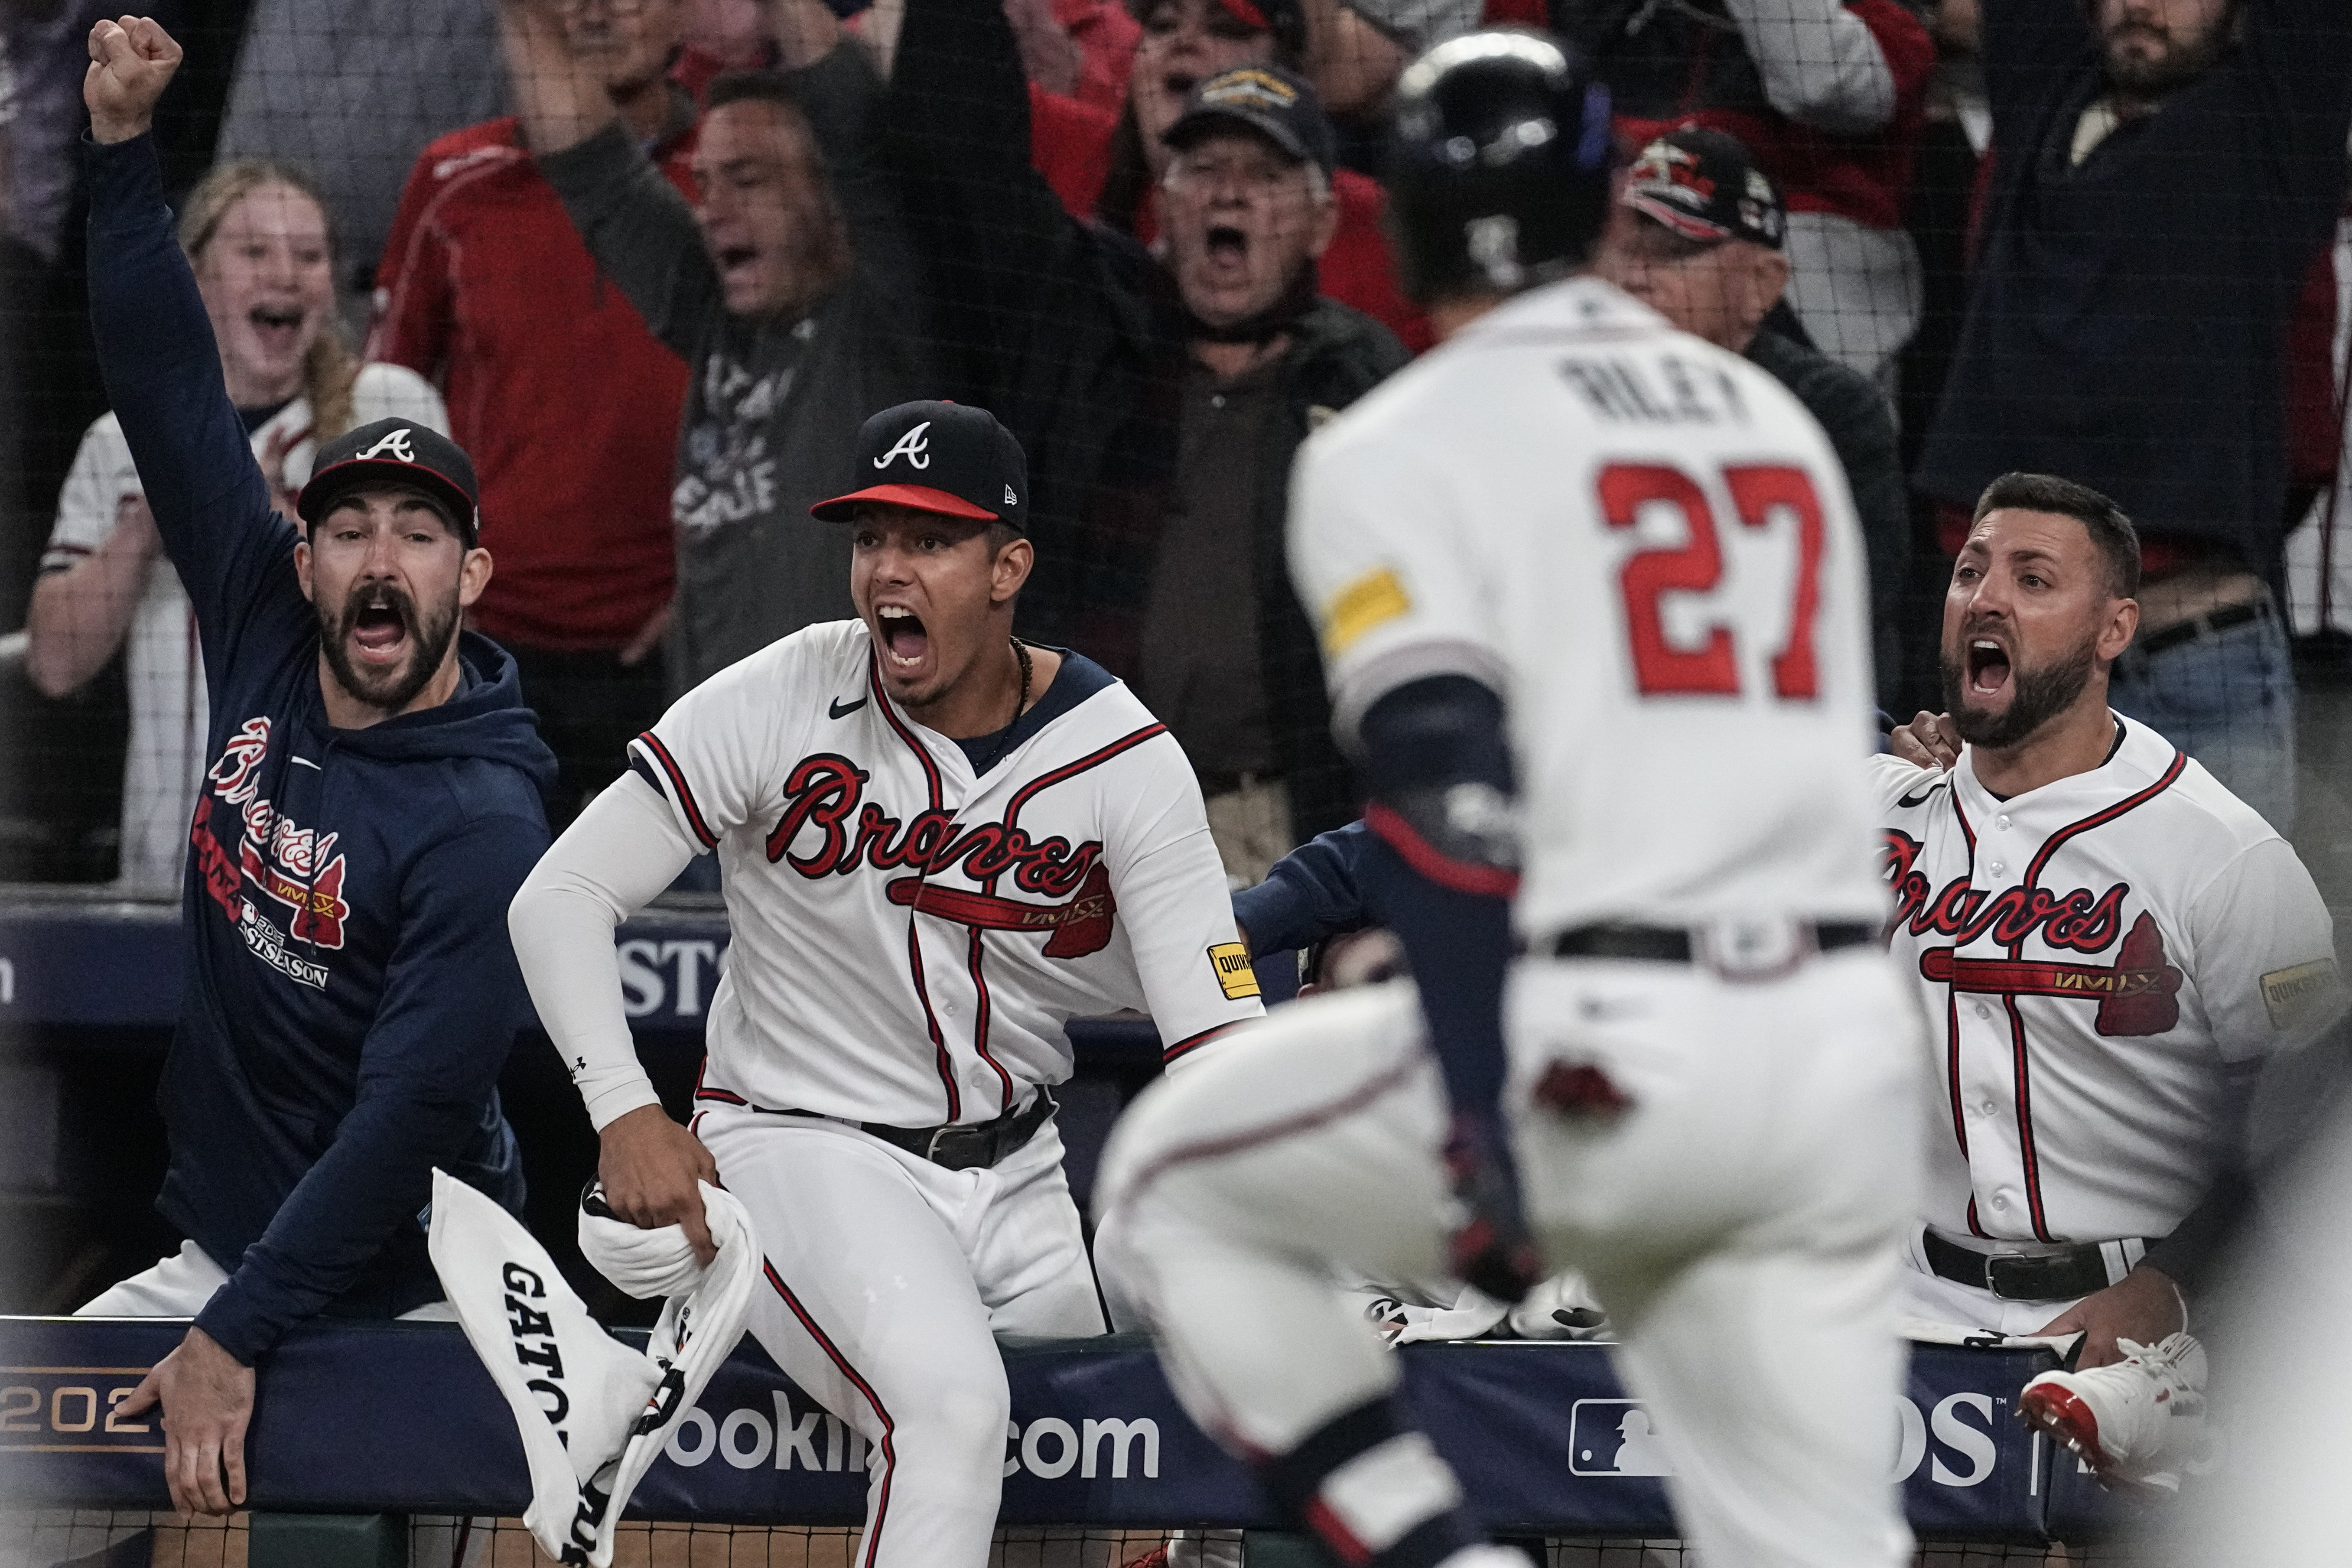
(437, 275)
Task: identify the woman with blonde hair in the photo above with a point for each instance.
(263, 250)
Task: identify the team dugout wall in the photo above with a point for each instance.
(398, 1418)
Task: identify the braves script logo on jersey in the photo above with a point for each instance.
(290, 864)
(823, 796)
(2138, 994)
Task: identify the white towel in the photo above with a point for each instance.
(592, 1411)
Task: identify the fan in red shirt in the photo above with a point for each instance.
(567, 403)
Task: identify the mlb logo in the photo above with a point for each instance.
(1613, 1438)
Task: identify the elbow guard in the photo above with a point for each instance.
(1442, 793)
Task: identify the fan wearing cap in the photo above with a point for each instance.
(1183, 43)
(938, 844)
(1167, 402)
(372, 799)
(1698, 239)
(785, 285)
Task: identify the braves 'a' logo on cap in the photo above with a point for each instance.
(396, 442)
(914, 445)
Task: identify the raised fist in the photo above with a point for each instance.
(130, 62)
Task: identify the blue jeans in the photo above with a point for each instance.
(2228, 699)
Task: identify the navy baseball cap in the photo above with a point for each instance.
(1279, 105)
(1701, 184)
(947, 457)
(395, 451)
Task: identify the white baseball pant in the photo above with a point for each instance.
(179, 1285)
(1740, 1222)
(887, 1277)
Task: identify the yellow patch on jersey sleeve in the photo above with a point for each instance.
(1231, 961)
(1374, 599)
(2290, 994)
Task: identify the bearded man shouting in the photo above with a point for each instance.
(2108, 945)
(372, 803)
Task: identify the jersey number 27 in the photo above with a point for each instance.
(1712, 668)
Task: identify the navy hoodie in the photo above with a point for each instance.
(350, 993)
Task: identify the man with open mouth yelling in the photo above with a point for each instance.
(390, 563)
(938, 844)
(2107, 944)
(369, 800)
(2039, 609)
(938, 553)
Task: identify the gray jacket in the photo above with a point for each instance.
(773, 406)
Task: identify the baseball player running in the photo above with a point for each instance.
(937, 844)
(1592, 598)
(2108, 945)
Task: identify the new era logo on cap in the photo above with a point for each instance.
(395, 452)
(943, 457)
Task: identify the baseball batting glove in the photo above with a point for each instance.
(1491, 1245)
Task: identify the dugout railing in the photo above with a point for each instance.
(362, 1421)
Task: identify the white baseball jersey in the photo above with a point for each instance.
(168, 707)
(2098, 958)
(908, 939)
(1647, 547)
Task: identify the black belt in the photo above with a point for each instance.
(954, 1147)
(1672, 945)
(2012, 1276)
(2208, 624)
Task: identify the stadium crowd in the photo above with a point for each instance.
(1894, 207)
(652, 265)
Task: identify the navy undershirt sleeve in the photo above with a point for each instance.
(1312, 894)
(1450, 906)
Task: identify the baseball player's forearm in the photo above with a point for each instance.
(375, 1177)
(163, 377)
(1442, 868)
(615, 859)
(1313, 893)
(1821, 63)
(450, 1005)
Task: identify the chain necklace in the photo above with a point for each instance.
(1020, 706)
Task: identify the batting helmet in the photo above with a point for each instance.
(1499, 165)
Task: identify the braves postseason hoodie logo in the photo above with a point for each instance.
(291, 865)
